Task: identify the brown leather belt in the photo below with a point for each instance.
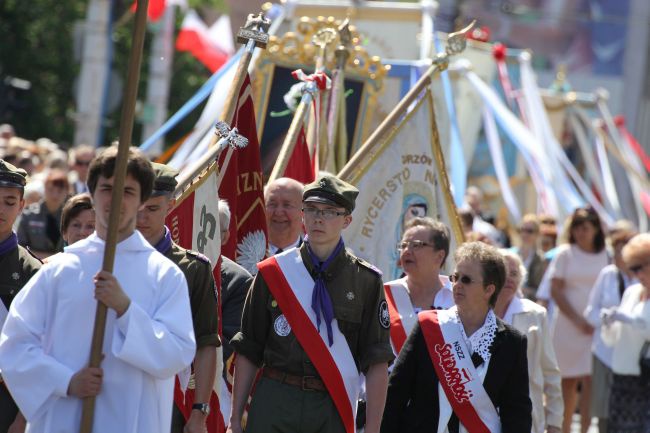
(306, 383)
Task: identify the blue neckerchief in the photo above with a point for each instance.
(321, 302)
(9, 244)
(165, 243)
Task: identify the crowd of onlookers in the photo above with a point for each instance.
(584, 286)
(54, 176)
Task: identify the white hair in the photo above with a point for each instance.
(508, 253)
(224, 214)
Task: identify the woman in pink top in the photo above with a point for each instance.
(573, 273)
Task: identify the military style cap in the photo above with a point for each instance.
(165, 179)
(331, 190)
(12, 176)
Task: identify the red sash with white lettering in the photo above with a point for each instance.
(292, 286)
(456, 373)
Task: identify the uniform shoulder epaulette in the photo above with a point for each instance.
(197, 255)
(31, 253)
(369, 266)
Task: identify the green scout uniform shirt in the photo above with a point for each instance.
(357, 294)
(18, 266)
(35, 227)
(203, 299)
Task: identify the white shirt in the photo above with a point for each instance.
(627, 339)
(604, 294)
(47, 337)
(273, 249)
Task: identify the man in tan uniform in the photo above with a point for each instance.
(203, 301)
(293, 395)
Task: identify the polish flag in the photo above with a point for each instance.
(301, 165)
(211, 46)
(155, 10)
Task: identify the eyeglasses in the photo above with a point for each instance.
(414, 245)
(455, 278)
(528, 230)
(635, 269)
(326, 214)
(82, 163)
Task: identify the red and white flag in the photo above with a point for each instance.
(194, 224)
(155, 10)
(243, 187)
(301, 165)
(212, 47)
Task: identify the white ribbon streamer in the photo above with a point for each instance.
(496, 151)
(542, 129)
(520, 136)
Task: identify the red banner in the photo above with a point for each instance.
(243, 188)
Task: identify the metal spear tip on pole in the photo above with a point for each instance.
(229, 137)
(255, 30)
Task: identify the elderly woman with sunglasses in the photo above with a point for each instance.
(627, 328)
(531, 320)
(423, 251)
(462, 370)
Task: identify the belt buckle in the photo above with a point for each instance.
(303, 383)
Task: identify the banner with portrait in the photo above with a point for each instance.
(402, 178)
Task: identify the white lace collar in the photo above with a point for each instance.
(481, 340)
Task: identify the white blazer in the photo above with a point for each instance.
(544, 377)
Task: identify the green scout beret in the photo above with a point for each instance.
(165, 179)
(12, 176)
(331, 190)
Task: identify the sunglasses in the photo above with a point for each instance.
(82, 163)
(455, 278)
(59, 183)
(528, 230)
(635, 269)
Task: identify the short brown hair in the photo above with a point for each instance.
(493, 265)
(138, 166)
(439, 233)
(73, 207)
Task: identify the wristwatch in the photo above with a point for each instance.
(204, 408)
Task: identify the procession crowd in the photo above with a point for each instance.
(529, 326)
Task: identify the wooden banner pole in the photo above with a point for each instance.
(119, 175)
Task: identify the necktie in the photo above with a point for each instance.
(320, 298)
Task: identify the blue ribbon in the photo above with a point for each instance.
(321, 302)
(200, 96)
(458, 172)
(9, 244)
(165, 243)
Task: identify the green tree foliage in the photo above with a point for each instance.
(36, 44)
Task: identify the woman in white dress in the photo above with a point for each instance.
(530, 319)
(573, 273)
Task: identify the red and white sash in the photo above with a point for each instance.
(292, 286)
(402, 313)
(456, 372)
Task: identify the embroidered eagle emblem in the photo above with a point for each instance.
(15, 276)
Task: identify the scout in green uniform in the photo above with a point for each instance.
(203, 300)
(291, 397)
(17, 265)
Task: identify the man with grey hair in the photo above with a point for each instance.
(235, 281)
(283, 200)
(80, 158)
